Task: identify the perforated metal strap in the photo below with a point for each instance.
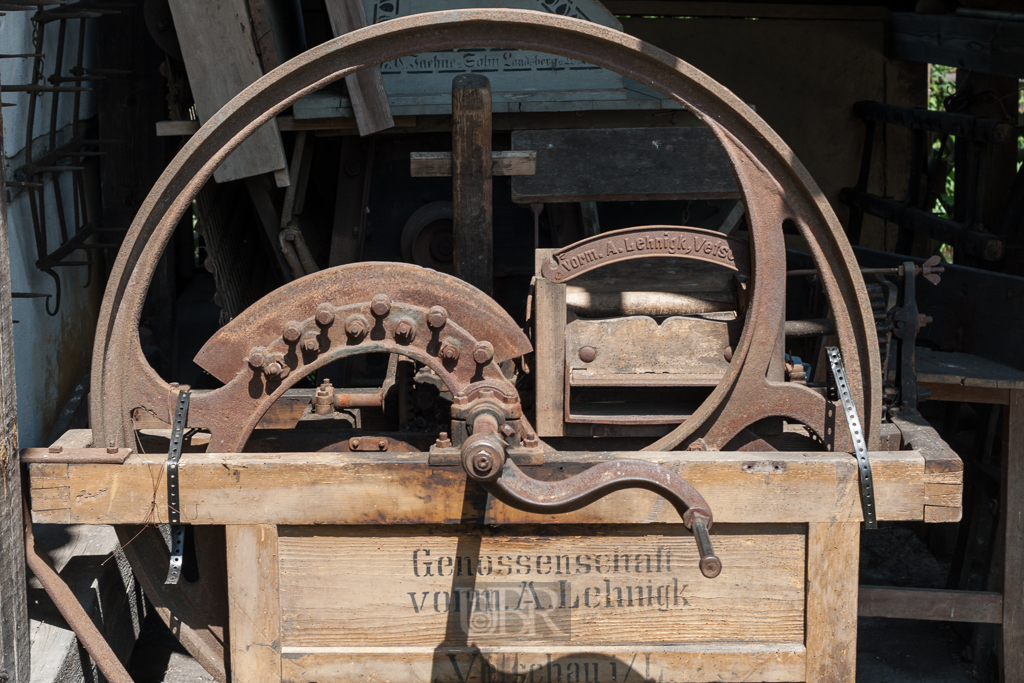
(860, 447)
(173, 493)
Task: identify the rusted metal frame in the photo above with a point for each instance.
(447, 30)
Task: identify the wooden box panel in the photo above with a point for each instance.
(609, 598)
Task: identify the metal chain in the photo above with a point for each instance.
(173, 488)
(860, 449)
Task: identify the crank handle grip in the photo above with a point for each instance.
(710, 565)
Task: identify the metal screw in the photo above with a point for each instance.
(111, 448)
(437, 317)
(380, 305)
(256, 358)
(291, 332)
(405, 330)
(588, 354)
(483, 353)
(356, 326)
(353, 444)
(449, 351)
(507, 430)
(324, 315)
(382, 444)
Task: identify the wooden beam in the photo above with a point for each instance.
(992, 46)
(682, 8)
(1012, 512)
(958, 392)
(365, 87)
(549, 319)
(439, 164)
(976, 607)
(14, 641)
(833, 553)
(389, 488)
(472, 162)
(254, 620)
(166, 129)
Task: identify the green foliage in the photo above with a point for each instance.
(941, 84)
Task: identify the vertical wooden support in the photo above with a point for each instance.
(365, 87)
(254, 604)
(833, 557)
(1012, 641)
(355, 170)
(14, 646)
(549, 350)
(473, 221)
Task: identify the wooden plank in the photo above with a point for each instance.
(355, 171)
(392, 488)
(1012, 512)
(682, 8)
(166, 129)
(976, 607)
(833, 553)
(768, 662)
(549, 316)
(14, 642)
(473, 220)
(359, 587)
(992, 46)
(220, 64)
(650, 164)
(365, 87)
(945, 367)
(439, 164)
(254, 622)
(958, 392)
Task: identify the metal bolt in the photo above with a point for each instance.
(291, 332)
(728, 354)
(353, 444)
(530, 440)
(380, 305)
(405, 331)
(356, 326)
(482, 463)
(310, 342)
(111, 448)
(437, 317)
(460, 400)
(449, 351)
(483, 352)
(382, 444)
(56, 449)
(588, 354)
(507, 430)
(256, 358)
(324, 315)
(443, 441)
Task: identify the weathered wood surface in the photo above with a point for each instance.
(472, 187)
(665, 163)
(977, 607)
(549, 317)
(365, 87)
(966, 370)
(943, 502)
(254, 622)
(396, 488)
(954, 40)
(353, 586)
(833, 555)
(768, 662)
(439, 164)
(220, 64)
(1012, 513)
(14, 642)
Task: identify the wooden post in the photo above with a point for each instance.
(14, 644)
(833, 555)
(253, 620)
(365, 87)
(1012, 511)
(473, 222)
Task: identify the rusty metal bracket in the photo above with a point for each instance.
(867, 489)
(174, 489)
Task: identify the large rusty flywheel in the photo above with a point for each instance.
(440, 322)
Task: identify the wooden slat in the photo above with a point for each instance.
(472, 187)
(958, 392)
(662, 163)
(220, 64)
(683, 8)
(253, 620)
(549, 316)
(965, 370)
(397, 488)
(976, 607)
(439, 164)
(1012, 512)
(833, 553)
(14, 642)
(365, 87)
(768, 662)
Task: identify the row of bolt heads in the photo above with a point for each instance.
(357, 327)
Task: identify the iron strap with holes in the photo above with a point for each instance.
(173, 489)
(860, 448)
